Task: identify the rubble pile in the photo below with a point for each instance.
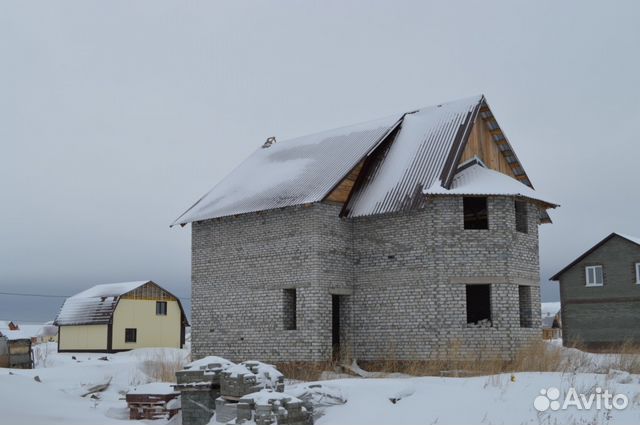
(484, 323)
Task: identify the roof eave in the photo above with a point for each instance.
(556, 277)
(542, 203)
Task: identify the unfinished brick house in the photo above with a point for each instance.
(397, 238)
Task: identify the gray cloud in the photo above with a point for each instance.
(116, 116)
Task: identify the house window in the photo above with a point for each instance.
(594, 276)
(521, 216)
(475, 212)
(526, 306)
(638, 273)
(479, 304)
(130, 335)
(161, 308)
(289, 310)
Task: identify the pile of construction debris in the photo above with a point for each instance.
(484, 323)
(248, 391)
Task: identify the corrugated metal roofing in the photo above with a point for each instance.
(404, 154)
(479, 180)
(94, 305)
(293, 172)
(416, 158)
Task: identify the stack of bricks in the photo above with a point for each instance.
(234, 386)
(223, 391)
(277, 410)
(254, 367)
(199, 389)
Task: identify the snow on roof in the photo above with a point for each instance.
(33, 329)
(633, 239)
(292, 172)
(13, 335)
(6, 331)
(110, 289)
(415, 159)
(94, 305)
(479, 180)
(404, 154)
(26, 330)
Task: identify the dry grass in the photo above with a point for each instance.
(306, 371)
(161, 366)
(626, 357)
(538, 356)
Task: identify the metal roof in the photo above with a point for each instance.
(96, 305)
(403, 155)
(421, 153)
(476, 179)
(292, 172)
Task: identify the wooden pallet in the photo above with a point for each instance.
(150, 406)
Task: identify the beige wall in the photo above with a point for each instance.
(83, 337)
(152, 330)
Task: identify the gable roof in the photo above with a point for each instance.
(293, 172)
(477, 179)
(632, 239)
(402, 155)
(96, 305)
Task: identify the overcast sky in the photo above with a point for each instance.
(115, 116)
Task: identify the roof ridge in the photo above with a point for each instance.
(631, 239)
(303, 170)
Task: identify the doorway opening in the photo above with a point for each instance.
(335, 325)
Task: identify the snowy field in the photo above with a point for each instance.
(56, 396)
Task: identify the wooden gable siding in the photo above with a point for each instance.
(149, 291)
(482, 145)
(341, 192)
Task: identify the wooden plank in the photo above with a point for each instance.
(482, 145)
(18, 347)
(341, 193)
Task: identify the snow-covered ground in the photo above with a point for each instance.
(56, 396)
(493, 399)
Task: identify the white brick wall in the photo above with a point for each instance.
(403, 270)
